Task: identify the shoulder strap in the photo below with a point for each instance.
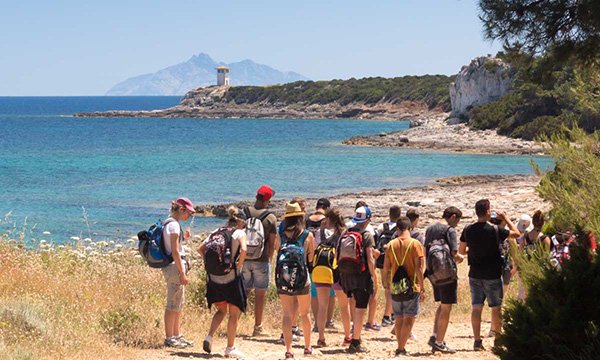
(497, 231)
(247, 212)
(386, 227)
(406, 253)
(446, 235)
(264, 215)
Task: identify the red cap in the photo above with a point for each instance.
(266, 192)
(186, 202)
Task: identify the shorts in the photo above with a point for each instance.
(506, 275)
(314, 286)
(175, 291)
(407, 308)
(304, 291)
(490, 289)
(446, 294)
(256, 275)
(361, 296)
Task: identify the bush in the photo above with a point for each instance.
(24, 316)
(125, 325)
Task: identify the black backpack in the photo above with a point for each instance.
(291, 271)
(441, 267)
(218, 259)
(386, 236)
(402, 286)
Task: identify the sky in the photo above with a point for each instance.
(70, 48)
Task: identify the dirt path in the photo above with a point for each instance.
(381, 345)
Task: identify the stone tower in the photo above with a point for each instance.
(222, 75)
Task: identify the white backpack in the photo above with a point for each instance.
(255, 234)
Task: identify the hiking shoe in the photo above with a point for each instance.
(356, 348)
(232, 352)
(297, 331)
(294, 338)
(185, 341)
(289, 355)
(331, 325)
(259, 331)
(174, 343)
(491, 334)
(373, 327)
(347, 340)
(386, 321)
(431, 341)
(444, 349)
(207, 344)
(315, 328)
(412, 337)
(400, 352)
(309, 351)
(478, 345)
(321, 343)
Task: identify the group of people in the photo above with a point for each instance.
(321, 258)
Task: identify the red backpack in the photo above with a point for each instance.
(351, 253)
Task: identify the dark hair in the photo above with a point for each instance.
(360, 204)
(335, 218)
(260, 197)
(395, 213)
(538, 219)
(452, 210)
(323, 203)
(403, 224)
(482, 207)
(234, 216)
(412, 214)
(294, 222)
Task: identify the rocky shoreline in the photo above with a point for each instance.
(514, 194)
(437, 133)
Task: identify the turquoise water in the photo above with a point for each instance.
(125, 171)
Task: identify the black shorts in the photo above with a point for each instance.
(361, 296)
(446, 294)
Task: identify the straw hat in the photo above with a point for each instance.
(292, 210)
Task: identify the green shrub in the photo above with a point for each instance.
(24, 316)
(124, 325)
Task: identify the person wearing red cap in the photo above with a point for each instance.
(256, 272)
(176, 273)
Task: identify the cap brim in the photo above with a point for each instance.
(359, 221)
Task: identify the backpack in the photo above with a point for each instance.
(530, 246)
(291, 272)
(560, 251)
(324, 264)
(351, 253)
(151, 245)
(218, 259)
(441, 267)
(386, 236)
(402, 286)
(255, 234)
(313, 226)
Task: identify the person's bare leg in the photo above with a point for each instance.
(330, 308)
(217, 319)
(352, 309)
(497, 319)
(314, 305)
(287, 306)
(234, 314)
(323, 297)
(372, 309)
(388, 303)
(344, 311)
(476, 321)
(407, 325)
(259, 306)
(304, 304)
(296, 313)
(442, 321)
(170, 317)
(436, 319)
(359, 315)
(176, 324)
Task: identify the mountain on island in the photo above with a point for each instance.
(199, 71)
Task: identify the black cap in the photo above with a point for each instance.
(323, 203)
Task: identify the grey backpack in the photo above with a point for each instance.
(441, 267)
(255, 234)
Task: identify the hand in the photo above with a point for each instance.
(187, 234)
(501, 214)
(459, 258)
(422, 296)
(183, 279)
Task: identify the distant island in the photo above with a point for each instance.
(199, 71)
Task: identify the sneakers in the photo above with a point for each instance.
(400, 352)
(347, 340)
(315, 328)
(491, 334)
(232, 352)
(289, 355)
(443, 348)
(296, 331)
(185, 341)
(412, 337)
(356, 348)
(294, 338)
(478, 345)
(386, 321)
(259, 331)
(207, 344)
(331, 325)
(373, 327)
(174, 343)
(309, 351)
(431, 341)
(322, 343)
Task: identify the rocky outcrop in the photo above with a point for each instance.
(484, 80)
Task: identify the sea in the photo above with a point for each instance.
(108, 178)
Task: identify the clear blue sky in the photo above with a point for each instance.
(68, 47)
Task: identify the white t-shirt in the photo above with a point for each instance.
(351, 224)
(380, 227)
(172, 228)
(328, 234)
(235, 245)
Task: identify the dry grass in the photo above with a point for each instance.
(94, 300)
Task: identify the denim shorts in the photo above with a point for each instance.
(490, 289)
(407, 308)
(256, 275)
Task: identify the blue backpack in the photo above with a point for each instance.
(291, 271)
(152, 246)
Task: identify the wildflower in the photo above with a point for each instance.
(87, 240)
(75, 238)
(118, 246)
(130, 241)
(46, 232)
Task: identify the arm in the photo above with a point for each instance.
(272, 245)
(514, 232)
(202, 250)
(243, 251)
(376, 253)
(462, 248)
(177, 258)
(309, 243)
(547, 243)
(387, 267)
(370, 260)
(419, 266)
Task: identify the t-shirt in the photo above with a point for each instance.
(415, 251)
(269, 226)
(172, 228)
(235, 246)
(484, 250)
(415, 235)
(436, 231)
(350, 224)
(328, 234)
(379, 230)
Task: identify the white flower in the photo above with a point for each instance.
(111, 242)
(138, 256)
(87, 240)
(75, 238)
(131, 241)
(118, 246)
(46, 233)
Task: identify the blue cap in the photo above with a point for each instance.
(361, 214)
